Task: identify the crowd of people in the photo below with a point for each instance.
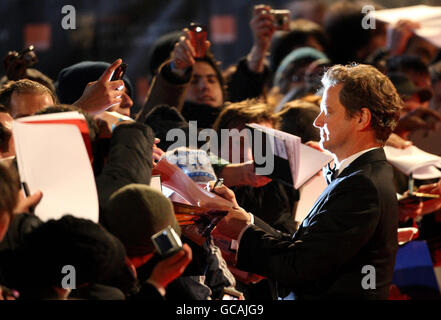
(339, 87)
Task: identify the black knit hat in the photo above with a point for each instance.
(161, 49)
(135, 213)
(73, 80)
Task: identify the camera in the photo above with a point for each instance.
(167, 241)
(281, 19)
(28, 57)
(198, 36)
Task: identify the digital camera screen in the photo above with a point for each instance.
(163, 242)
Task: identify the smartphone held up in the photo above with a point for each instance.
(198, 36)
(119, 72)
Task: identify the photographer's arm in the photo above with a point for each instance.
(262, 26)
(252, 69)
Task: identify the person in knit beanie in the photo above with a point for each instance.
(135, 213)
(89, 82)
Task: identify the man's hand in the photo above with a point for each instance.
(433, 188)
(224, 192)
(26, 204)
(262, 26)
(249, 176)
(234, 222)
(172, 267)
(399, 34)
(102, 94)
(430, 206)
(243, 174)
(157, 152)
(236, 219)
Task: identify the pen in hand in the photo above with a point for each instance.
(219, 182)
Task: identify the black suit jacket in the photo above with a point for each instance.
(353, 224)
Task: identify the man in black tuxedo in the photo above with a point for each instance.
(346, 246)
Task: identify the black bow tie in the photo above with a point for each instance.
(331, 173)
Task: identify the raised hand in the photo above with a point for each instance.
(262, 26)
(399, 34)
(183, 55)
(102, 94)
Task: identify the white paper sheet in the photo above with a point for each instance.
(422, 164)
(309, 193)
(53, 158)
(429, 18)
(304, 161)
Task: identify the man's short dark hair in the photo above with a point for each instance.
(297, 118)
(239, 113)
(34, 75)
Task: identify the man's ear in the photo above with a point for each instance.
(365, 118)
